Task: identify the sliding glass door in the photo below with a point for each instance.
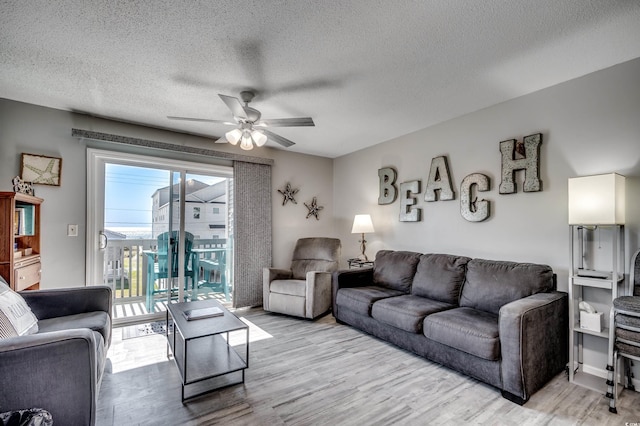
(158, 232)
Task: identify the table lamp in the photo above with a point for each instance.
(362, 224)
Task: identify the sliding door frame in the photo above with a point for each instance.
(96, 160)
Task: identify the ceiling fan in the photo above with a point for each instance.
(250, 128)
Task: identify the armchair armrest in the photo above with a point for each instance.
(268, 275)
(349, 278)
(318, 293)
(68, 301)
(534, 342)
(57, 371)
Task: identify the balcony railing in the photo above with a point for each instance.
(125, 272)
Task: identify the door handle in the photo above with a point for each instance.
(102, 244)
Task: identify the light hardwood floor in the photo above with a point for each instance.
(322, 373)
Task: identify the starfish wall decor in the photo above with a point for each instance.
(314, 208)
(40, 169)
(288, 194)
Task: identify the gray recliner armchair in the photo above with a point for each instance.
(305, 289)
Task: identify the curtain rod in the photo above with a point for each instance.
(107, 137)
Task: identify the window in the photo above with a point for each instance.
(196, 212)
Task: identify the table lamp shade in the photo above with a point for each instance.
(597, 200)
(362, 224)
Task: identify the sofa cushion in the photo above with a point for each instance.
(97, 321)
(291, 287)
(491, 284)
(406, 312)
(466, 329)
(440, 277)
(395, 269)
(360, 299)
(16, 318)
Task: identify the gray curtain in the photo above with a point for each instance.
(252, 230)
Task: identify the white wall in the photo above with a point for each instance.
(590, 125)
(33, 129)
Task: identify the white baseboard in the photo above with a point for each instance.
(601, 372)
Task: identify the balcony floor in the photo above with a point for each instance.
(128, 309)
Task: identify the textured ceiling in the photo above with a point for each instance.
(365, 70)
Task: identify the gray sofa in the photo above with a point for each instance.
(59, 369)
(500, 322)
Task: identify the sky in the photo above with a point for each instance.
(128, 191)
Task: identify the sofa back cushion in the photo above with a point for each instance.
(395, 269)
(490, 284)
(440, 277)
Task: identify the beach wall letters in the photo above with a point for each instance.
(515, 156)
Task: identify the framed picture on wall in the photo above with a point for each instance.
(40, 169)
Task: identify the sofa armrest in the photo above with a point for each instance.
(268, 275)
(318, 294)
(68, 301)
(347, 278)
(56, 371)
(534, 342)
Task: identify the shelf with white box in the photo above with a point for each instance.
(592, 323)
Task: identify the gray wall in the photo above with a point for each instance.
(590, 125)
(33, 129)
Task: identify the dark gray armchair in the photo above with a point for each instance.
(305, 289)
(59, 369)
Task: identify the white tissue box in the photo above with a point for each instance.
(591, 322)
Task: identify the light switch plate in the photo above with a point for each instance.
(72, 230)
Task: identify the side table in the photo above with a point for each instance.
(359, 263)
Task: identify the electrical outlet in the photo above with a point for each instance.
(72, 230)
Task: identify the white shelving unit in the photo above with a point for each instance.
(612, 284)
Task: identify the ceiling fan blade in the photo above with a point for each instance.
(221, 140)
(234, 105)
(286, 122)
(279, 139)
(206, 120)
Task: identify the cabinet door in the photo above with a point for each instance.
(27, 276)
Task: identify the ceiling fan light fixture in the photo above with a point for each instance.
(246, 118)
(233, 136)
(246, 142)
(259, 138)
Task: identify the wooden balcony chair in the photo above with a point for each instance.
(214, 274)
(158, 277)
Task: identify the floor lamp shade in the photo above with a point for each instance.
(597, 200)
